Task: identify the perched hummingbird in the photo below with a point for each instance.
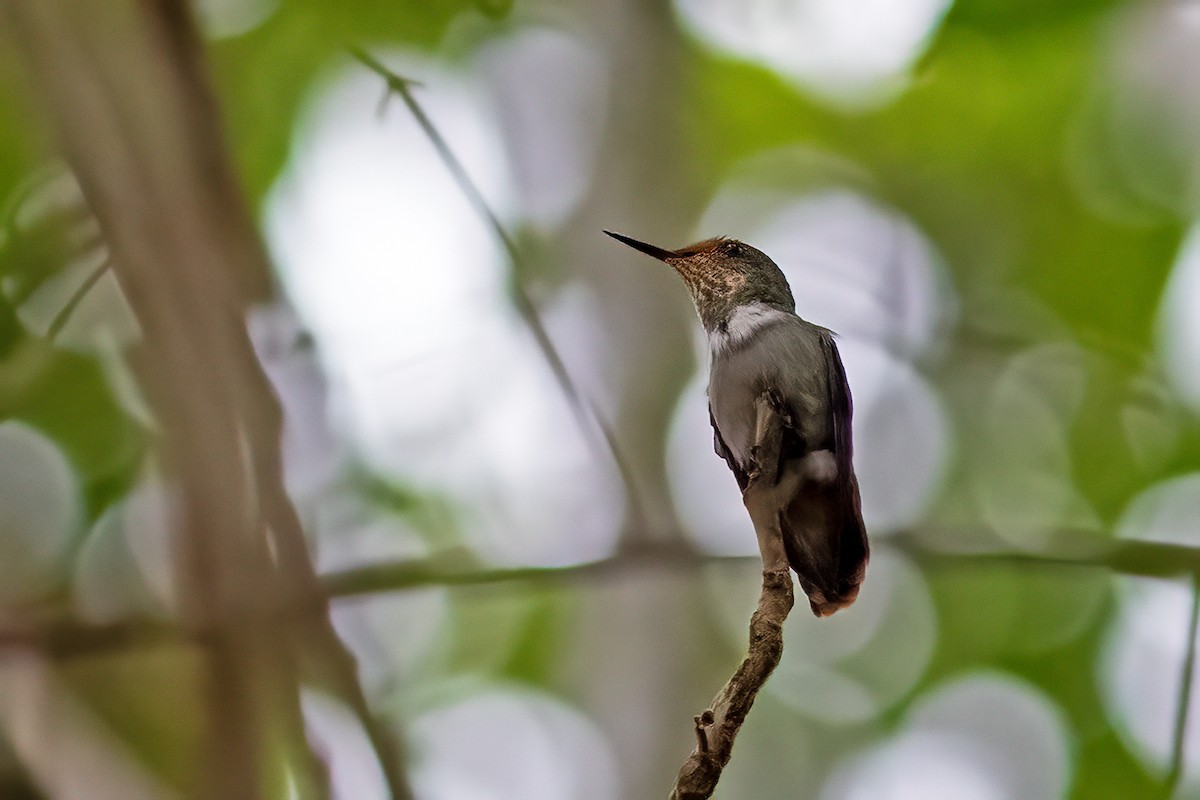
(757, 345)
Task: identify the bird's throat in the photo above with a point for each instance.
(741, 324)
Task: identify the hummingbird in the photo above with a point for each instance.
(759, 345)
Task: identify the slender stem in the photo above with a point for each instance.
(62, 636)
(1179, 735)
(64, 314)
(586, 413)
(1074, 549)
(448, 570)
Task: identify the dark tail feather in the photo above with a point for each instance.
(826, 543)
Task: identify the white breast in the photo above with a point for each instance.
(732, 403)
(743, 323)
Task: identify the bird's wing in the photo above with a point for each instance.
(723, 451)
(853, 549)
(841, 407)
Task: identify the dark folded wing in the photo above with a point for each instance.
(841, 407)
(723, 451)
(854, 550)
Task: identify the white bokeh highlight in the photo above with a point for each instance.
(1021, 474)
(1179, 324)
(845, 51)
(962, 741)
(510, 744)
(548, 90)
(1136, 155)
(384, 257)
(434, 377)
(901, 437)
(1142, 661)
(125, 567)
(354, 772)
(39, 511)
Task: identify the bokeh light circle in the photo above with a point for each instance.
(39, 509)
(1021, 467)
(434, 378)
(549, 91)
(503, 744)
(844, 51)
(1179, 324)
(962, 740)
(125, 567)
(1142, 662)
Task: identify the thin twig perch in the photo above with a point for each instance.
(719, 724)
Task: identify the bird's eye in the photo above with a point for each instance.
(734, 248)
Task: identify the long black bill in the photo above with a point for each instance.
(648, 249)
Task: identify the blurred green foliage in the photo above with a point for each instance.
(978, 151)
(264, 76)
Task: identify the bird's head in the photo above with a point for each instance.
(721, 275)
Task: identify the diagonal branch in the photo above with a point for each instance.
(584, 410)
(1184, 701)
(64, 314)
(718, 725)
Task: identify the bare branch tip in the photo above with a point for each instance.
(395, 81)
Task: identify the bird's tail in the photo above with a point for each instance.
(826, 542)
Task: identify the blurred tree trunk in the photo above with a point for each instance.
(124, 85)
(650, 624)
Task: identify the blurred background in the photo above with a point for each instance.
(992, 202)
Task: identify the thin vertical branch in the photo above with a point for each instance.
(1184, 701)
